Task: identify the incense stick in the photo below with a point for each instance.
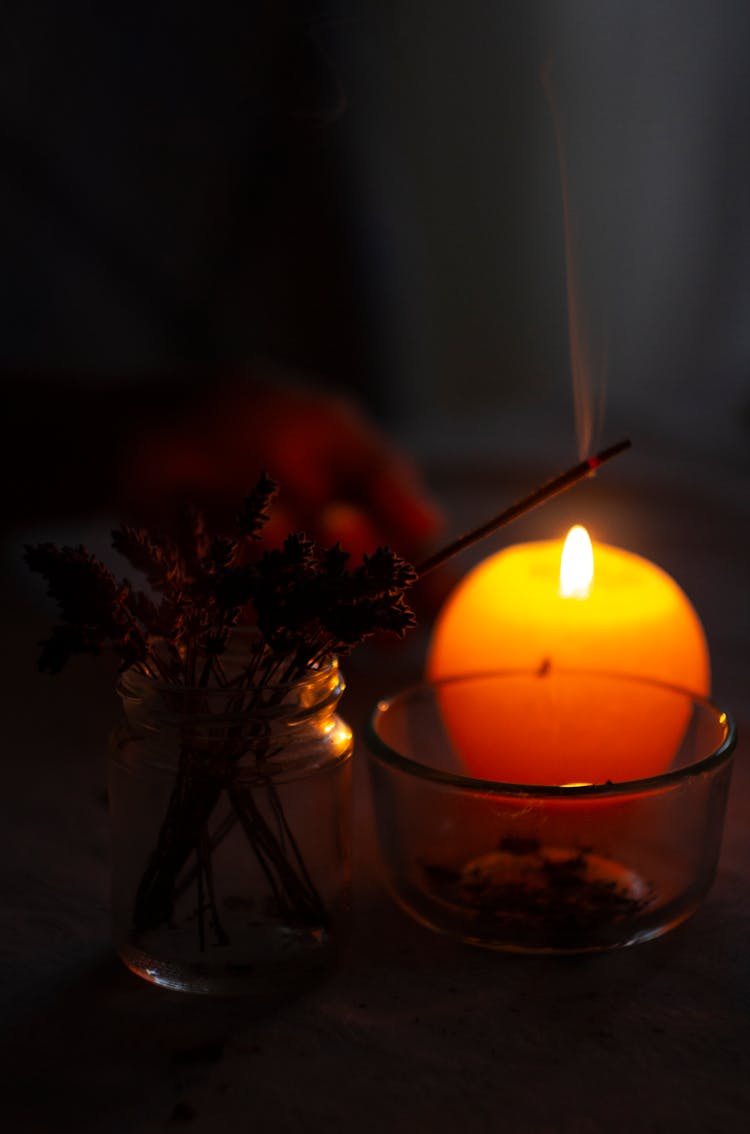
(539, 496)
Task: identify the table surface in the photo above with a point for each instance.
(413, 1032)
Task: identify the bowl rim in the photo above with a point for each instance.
(381, 751)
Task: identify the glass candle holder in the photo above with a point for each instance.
(549, 868)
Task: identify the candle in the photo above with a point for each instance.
(540, 606)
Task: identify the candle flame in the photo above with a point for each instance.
(576, 564)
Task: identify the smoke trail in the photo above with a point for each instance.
(588, 374)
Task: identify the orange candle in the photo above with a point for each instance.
(532, 608)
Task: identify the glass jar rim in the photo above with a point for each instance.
(320, 671)
(389, 756)
(172, 702)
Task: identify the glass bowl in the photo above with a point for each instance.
(622, 848)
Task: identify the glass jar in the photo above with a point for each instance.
(530, 867)
(230, 813)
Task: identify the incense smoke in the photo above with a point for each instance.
(588, 373)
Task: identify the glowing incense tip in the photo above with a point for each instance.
(607, 454)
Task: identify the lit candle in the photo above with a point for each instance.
(539, 607)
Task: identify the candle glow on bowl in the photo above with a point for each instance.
(548, 868)
(544, 607)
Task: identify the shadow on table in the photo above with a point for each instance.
(95, 1048)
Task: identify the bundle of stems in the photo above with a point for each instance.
(236, 765)
(306, 604)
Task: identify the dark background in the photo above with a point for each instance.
(370, 191)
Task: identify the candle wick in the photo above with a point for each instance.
(533, 500)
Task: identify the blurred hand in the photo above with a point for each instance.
(340, 479)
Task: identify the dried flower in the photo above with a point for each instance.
(96, 609)
(253, 514)
(305, 601)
